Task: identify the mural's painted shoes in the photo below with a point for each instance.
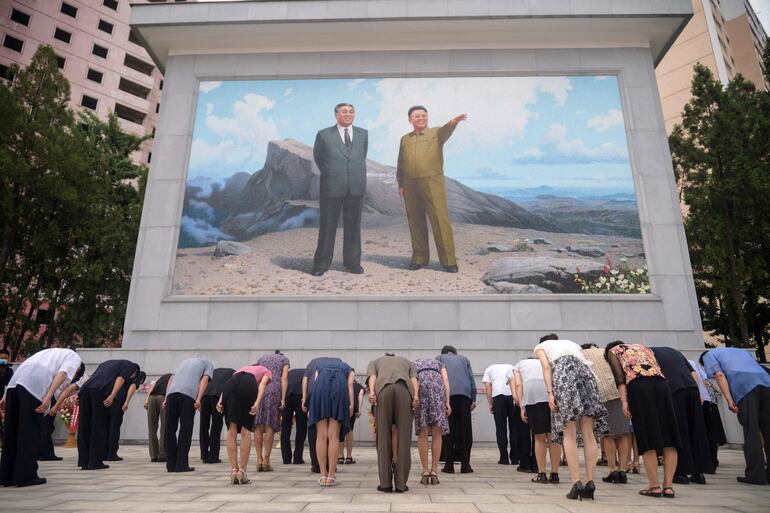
(451, 268)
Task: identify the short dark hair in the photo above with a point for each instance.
(448, 349)
(550, 336)
(588, 346)
(610, 346)
(79, 373)
(414, 108)
(141, 378)
(700, 358)
(343, 104)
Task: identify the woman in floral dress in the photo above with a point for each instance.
(268, 420)
(573, 396)
(646, 398)
(431, 417)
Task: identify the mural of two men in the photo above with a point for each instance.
(340, 154)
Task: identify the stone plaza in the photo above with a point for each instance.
(137, 485)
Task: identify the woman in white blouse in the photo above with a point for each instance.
(574, 399)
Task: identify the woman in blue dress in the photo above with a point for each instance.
(330, 409)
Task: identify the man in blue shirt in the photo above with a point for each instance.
(746, 387)
(462, 386)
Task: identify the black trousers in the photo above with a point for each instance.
(210, 429)
(312, 435)
(293, 409)
(46, 441)
(180, 414)
(460, 438)
(92, 430)
(508, 423)
(754, 416)
(351, 207)
(21, 438)
(695, 454)
(114, 423)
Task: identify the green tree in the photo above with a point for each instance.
(720, 152)
(70, 200)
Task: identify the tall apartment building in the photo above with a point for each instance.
(108, 69)
(725, 36)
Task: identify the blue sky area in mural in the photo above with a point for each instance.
(564, 133)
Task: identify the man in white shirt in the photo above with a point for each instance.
(27, 397)
(507, 414)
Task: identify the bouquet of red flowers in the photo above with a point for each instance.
(68, 415)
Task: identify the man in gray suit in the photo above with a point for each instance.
(340, 154)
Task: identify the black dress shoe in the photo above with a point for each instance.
(188, 469)
(51, 458)
(746, 480)
(116, 458)
(503, 462)
(153, 460)
(299, 462)
(406, 489)
(681, 480)
(698, 479)
(354, 269)
(466, 470)
(315, 470)
(385, 489)
(34, 482)
(415, 267)
(317, 272)
(451, 268)
(214, 461)
(448, 469)
(98, 467)
(161, 460)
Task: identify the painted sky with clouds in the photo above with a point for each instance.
(521, 131)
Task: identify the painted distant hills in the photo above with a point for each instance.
(284, 195)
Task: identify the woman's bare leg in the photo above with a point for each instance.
(267, 443)
(422, 447)
(322, 446)
(570, 450)
(259, 431)
(437, 435)
(589, 446)
(650, 459)
(334, 445)
(245, 447)
(232, 445)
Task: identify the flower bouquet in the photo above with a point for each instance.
(68, 415)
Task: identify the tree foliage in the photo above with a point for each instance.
(721, 155)
(70, 201)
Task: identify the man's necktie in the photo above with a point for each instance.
(347, 138)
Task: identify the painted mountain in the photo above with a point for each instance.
(284, 195)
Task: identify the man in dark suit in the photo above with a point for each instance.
(340, 154)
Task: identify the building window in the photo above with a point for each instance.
(99, 51)
(62, 35)
(88, 102)
(112, 4)
(157, 108)
(149, 157)
(13, 43)
(106, 27)
(20, 17)
(69, 10)
(131, 87)
(129, 114)
(132, 37)
(153, 131)
(5, 72)
(95, 76)
(138, 65)
(60, 61)
(161, 85)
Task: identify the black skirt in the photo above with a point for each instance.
(238, 396)
(652, 414)
(714, 428)
(539, 418)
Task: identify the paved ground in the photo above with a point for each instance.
(140, 486)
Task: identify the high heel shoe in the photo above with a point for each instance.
(425, 478)
(576, 492)
(243, 478)
(234, 477)
(434, 478)
(588, 490)
(622, 477)
(612, 477)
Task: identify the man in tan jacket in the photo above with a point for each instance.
(420, 175)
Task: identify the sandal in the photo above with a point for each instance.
(260, 467)
(242, 477)
(266, 467)
(330, 481)
(234, 477)
(650, 492)
(540, 478)
(425, 478)
(671, 495)
(340, 461)
(322, 481)
(349, 460)
(434, 478)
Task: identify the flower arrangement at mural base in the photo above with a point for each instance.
(68, 415)
(621, 280)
